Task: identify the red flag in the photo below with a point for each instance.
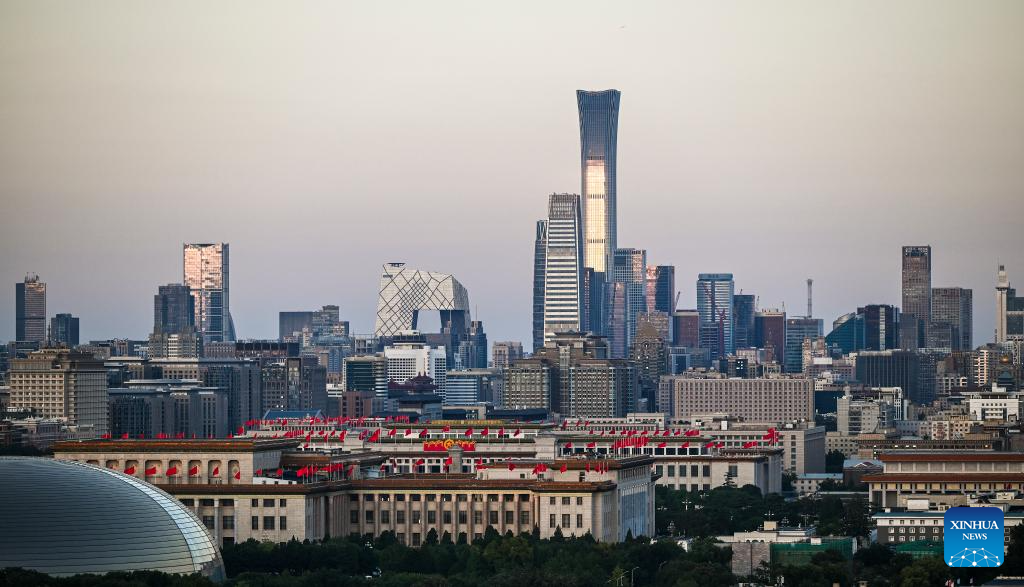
(280, 472)
(375, 437)
(241, 431)
(568, 445)
(193, 471)
(517, 432)
(446, 428)
(588, 467)
(563, 424)
(341, 435)
(362, 435)
(448, 461)
(172, 471)
(666, 433)
(468, 432)
(105, 436)
(390, 432)
(563, 468)
(591, 445)
(130, 470)
(258, 473)
(675, 432)
(151, 471)
(684, 445)
(423, 433)
(124, 436)
(750, 444)
(662, 444)
(485, 432)
(216, 472)
(418, 462)
(408, 431)
(709, 444)
(238, 475)
(511, 466)
(720, 445)
(501, 432)
(351, 468)
(693, 432)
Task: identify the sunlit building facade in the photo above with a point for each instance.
(563, 266)
(206, 273)
(599, 122)
(715, 293)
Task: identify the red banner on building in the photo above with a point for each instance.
(444, 445)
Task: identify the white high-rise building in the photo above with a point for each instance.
(406, 360)
(563, 266)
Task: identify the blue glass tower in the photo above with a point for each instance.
(599, 123)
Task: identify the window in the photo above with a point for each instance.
(268, 522)
(284, 522)
(281, 503)
(524, 497)
(415, 538)
(446, 497)
(657, 470)
(228, 522)
(446, 517)
(417, 517)
(368, 516)
(492, 518)
(400, 497)
(733, 470)
(551, 500)
(477, 497)
(509, 497)
(524, 518)
(693, 472)
(400, 517)
(208, 521)
(462, 517)
(707, 470)
(579, 501)
(565, 520)
(460, 497)
(478, 517)
(431, 497)
(401, 537)
(565, 501)
(353, 517)
(510, 518)
(551, 521)
(415, 497)
(188, 502)
(351, 497)
(492, 497)
(385, 517)
(368, 497)
(255, 523)
(268, 503)
(206, 503)
(231, 503)
(431, 517)
(256, 503)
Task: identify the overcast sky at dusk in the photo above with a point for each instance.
(776, 141)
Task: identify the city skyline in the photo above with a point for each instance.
(905, 148)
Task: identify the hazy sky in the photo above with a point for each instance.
(774, 140)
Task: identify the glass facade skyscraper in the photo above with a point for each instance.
(743, 306)
(540, 251)
(630, 269)
(599, 122)
(206, 273)
(563, 266)
(917, 294)
(953, 317)
(715, 307)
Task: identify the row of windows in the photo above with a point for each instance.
(553, 521)
(268, 523)
(447, 517)
(705, 470)
(444, 497)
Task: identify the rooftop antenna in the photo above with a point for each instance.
(810, 282)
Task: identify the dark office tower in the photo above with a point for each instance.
(917, 295)
(595, 294)
(173, 309)
(891, 369)
(297, 383)
(847, 334)
(174, 333)
(715, 293)
(661, 289)
(586, 307)
(288, 323)
(30, 310)
(599, 122)
(798, 330)
(770, 332)
(630, 269)
(649, 353)
(686, 328)
(64, 330)
(952, 317)
(616, 302)
(881, 326)
(472, 352)
(743, 309)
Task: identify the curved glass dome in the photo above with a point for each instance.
(64, 518)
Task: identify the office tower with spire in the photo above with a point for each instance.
(540, 251)
(1009, 310)
(207, 274)
(715, 292)
(917, 296)
(563, 266)
(30, 310)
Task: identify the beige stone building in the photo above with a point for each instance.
(62, 384)
(943, 478)
(755, 400)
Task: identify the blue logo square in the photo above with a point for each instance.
(973, 537)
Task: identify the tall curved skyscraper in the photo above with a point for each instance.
(599, 122)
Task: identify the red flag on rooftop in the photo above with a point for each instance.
(568, 445)
(750, 444)
(216, 472)
(485, 432)
(375, 437)
(258, 473)
(391, 432)
(468, 432)
(172, 471)
(130, 470)
(517, 432)
(501, 432)
(423, 433)
(662, 444)
(709, 444)
(563, 468)
(591, 444)
(151, 471)
(105, 436)
(124, 436)
(280, 472)
(448, 461)
(511, 466)
(193, 471)
(446, 428)
(418, 462)
(341, 435)
(685, 445)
